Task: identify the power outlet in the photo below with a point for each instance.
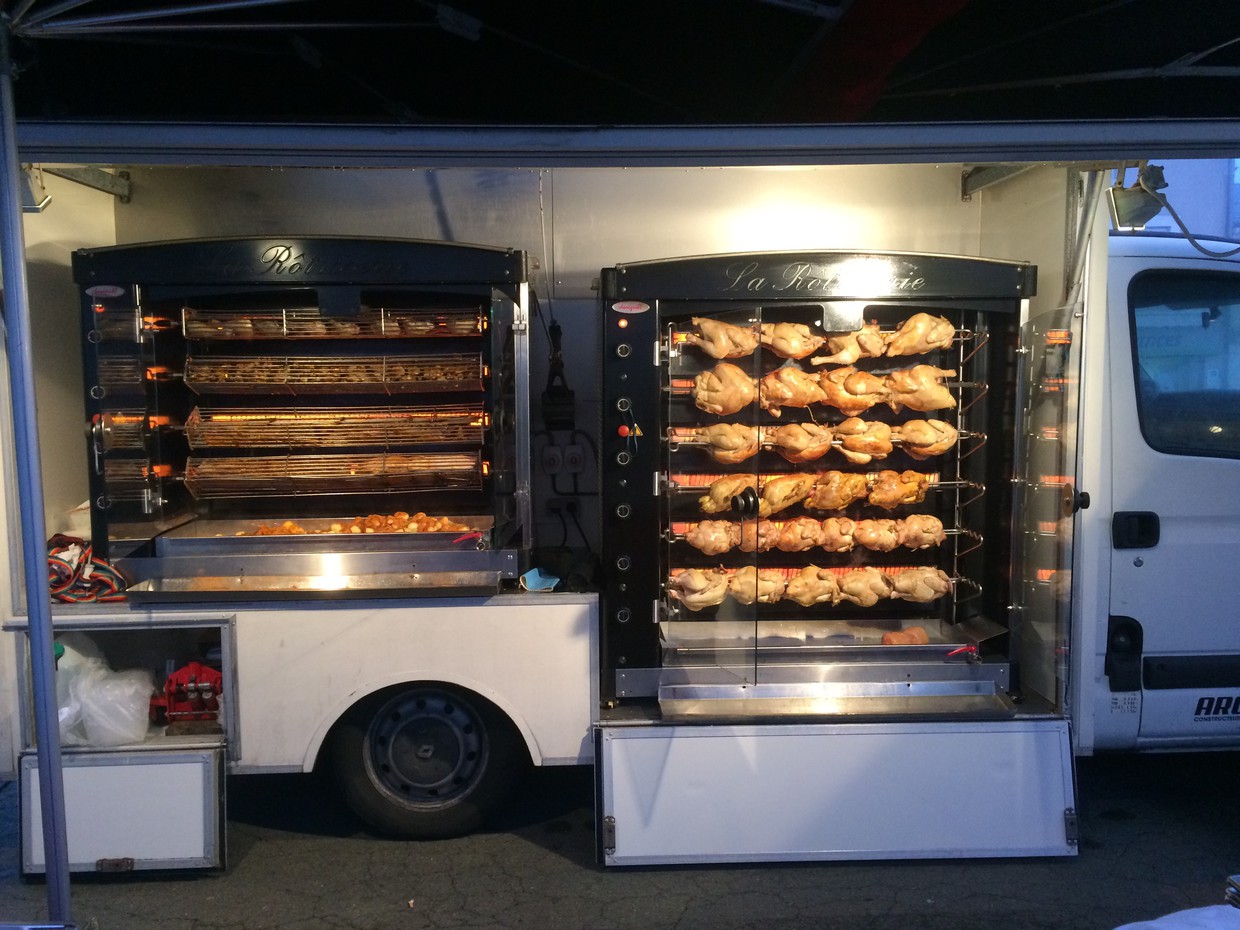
(574, 459)
(552, 459)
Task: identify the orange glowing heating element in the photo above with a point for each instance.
(1059, 337)
(1048, 526)
(1047, 574)
(486, 468)
(1056, 480)
(157, 471)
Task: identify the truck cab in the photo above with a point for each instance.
(1161, 395)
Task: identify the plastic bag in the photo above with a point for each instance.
(97, 706)
(116, 706)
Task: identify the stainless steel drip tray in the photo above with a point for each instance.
(222, 537)
(251, 587)
(909, 688)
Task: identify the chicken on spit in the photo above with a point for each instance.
(835, 490)
(920, 531)
(758, 536)
(919, 388)
(799, 534)
(779, 492)
(852, 391)
(924, 438)
(713, 537)
(718, 497)
(813, 585)
(920, 333)
(865, 587)
(749, 584)
(728, 442)
(894, 488)
(846, 348)
(699, 587)
(836, 534)
(791, 340)
(724, 389)
(921, 585)
(862, 441)
(722, 340)
(788, 387)
(878, 535)
(799, 442)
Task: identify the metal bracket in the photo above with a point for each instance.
(1071, 826)
(97, 179)
(973, 180)
(609, 835)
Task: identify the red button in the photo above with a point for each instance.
(623, 430)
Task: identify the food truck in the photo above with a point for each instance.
(850, 487)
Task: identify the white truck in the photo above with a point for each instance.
(430, 705)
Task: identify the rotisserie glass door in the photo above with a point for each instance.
(711, 517)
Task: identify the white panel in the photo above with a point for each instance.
(159, 809)
(865, 791)
(608, 215)
(532, 655)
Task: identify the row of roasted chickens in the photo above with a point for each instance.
(697, 588)
(920, 333)
(727, 389)
(824, 490)
(834, 534)
(859, 441)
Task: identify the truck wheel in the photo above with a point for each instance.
(426, 761)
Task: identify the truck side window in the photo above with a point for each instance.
(1186, 353)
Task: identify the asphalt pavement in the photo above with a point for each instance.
(1160, 834)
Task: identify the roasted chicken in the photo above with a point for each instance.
(862, 441)
(722, 340)
(799, 442)
(788, 387)
(852, 391)
(919, 388)
(920, 584)
(924, 438)
(836, 534)
(698, 587)
(749, 584)
(878, 535)
(729, 442)
(799, 534)
(718, 497)
(920, 531)
(713, 537)
(865, 587)
(920, 333)
(846, 348)
(791, 340)
(779, 492)
(758, 536)
(835, 490)
(891, 489)
(724, 389)
(813, 585)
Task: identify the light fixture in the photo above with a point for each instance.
(34, 196)
(1133, 207)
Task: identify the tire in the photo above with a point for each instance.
(426, 761)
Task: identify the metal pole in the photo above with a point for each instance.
(30, 491)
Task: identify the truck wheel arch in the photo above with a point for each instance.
(315, 748)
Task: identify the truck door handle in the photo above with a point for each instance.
(1134, 529)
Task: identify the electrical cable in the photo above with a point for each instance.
(1166, 205)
